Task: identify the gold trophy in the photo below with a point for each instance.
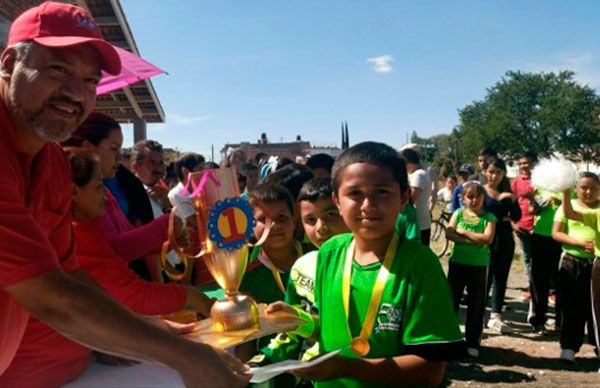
(225, 228)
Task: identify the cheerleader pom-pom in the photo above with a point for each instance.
(554, 174)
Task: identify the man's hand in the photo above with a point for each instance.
(207, 366)
(160, 194)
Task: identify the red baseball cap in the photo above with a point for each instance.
(53, 24)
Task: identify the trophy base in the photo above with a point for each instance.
(234, 313)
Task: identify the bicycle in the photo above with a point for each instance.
(439, 243)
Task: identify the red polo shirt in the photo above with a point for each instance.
(46, 358)
(521, 186)
(36, 236)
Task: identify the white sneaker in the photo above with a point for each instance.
(498, 325)
(473, 352)
(567, 355)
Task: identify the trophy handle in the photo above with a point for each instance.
(183, 256)
(268, 224)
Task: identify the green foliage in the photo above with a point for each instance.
(544, 112)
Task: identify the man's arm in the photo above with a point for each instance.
(86, 315)
(400, 370)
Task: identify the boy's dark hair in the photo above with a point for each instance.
(315, 189)
(269, 193)
(411, 156)
(453, 177)
(211, 165)
(189, 161)
(292, 177)
(590, 175)
(528, 154)
(94, 129)
(323, 161)
(84, 163)
(137, 151)
(260, 158)
(284, 162)
(378, 154)
(246, 167)
(488, 151)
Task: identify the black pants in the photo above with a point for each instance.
(474, 277)
(574, 276)
(425, 236)
(501, 256)
(545, 255)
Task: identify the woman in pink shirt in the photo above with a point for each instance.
(102, 134)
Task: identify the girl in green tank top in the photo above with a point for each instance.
(472, 230)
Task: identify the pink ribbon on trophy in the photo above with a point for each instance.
(208, 174)
(171, 241)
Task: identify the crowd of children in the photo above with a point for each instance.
(348, 252)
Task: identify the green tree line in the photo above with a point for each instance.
(543, 112)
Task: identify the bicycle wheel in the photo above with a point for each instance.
(439, 243)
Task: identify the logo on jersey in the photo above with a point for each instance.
(388, 318)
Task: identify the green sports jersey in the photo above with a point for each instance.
(471, 254)
(407, 224)
(299, 293)
(579, 231)
(544, 220)
(415, 314)
(259, 282)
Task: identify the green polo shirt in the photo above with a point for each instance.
(415, 314)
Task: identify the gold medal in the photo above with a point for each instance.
(360, 346)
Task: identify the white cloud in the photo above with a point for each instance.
(179, 119)
(382, 64)
(585, 65)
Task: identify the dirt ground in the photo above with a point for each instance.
(522, 358)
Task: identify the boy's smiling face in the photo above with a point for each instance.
(369, 199)
(321, 220)
(282, 229)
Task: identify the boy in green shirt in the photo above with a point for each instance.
(321, 220)
(269, 265)
(382, 299)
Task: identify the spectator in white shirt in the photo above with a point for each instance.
(420, 186)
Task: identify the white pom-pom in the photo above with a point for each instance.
(554, 174)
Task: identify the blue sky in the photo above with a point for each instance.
(238, 68)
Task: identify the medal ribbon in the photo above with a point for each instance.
(377, 292)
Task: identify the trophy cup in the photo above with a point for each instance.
(225, 228)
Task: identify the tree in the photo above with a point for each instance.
(544, 112)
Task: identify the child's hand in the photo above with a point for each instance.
(588, 246)
(504, 196)
(330, 369)
(280, 306)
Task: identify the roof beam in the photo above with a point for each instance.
(106, 21)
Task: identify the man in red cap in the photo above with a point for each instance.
(48, 78)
